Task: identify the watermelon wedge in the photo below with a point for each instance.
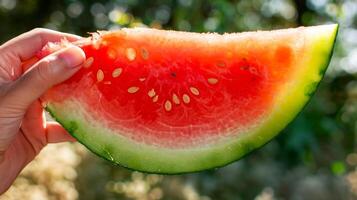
(174, 102)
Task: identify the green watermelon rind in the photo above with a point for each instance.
(140, 157)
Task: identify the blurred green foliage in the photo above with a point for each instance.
(309, 160)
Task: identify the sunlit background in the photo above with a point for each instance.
(314, 158)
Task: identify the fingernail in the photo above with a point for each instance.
(73, 56)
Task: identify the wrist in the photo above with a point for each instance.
(10, 166)
(6, 176)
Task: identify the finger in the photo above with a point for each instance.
(34, 112)
(49, 71)
(28, 44)
(56, 133)
(33, 126)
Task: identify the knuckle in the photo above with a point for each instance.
(38, 30)
(10, 113)
(4, 89)
(40, 34)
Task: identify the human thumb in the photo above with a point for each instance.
(49, 71)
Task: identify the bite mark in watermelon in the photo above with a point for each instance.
(173, 102)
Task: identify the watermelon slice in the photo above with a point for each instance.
(173, 102)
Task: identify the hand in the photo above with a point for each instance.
(23, 127)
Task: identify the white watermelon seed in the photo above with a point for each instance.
(133, 89)
(142, 79)
(87, 63)
(116, 72)
(155, 98)
(186, 98)
(100, 75)
(130, 54)
(151, 93)
(175, 99)
(168, 105)
(112, 54)
(212, 81)
(194, 91)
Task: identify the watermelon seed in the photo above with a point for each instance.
(168, 105)
(151, 93)
(175, 99)
(173, 74)
(117, 72)
(221, 64)
(212, 81)
(244, 68)
(112, 54)
(100, 75)
(253, 70)
(155, 98)
(194, 91)
(186, 98)
(142, 79)
(133, 89)
(144, 54)
(130, 54)
(87, 63)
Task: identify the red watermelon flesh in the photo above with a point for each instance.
(172, 102)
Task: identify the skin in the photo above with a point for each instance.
(23, 127)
